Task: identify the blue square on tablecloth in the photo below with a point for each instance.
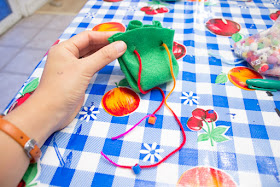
(184, 121)
(48, 141)
(216, 62)
(189, 20)
(72, 35)
(108, 16)
(246, 16)
(114, 7)
(267, 165)
(167, 19)
(251, 104)
(62, 177)
(102, 180)
(277, 104)
(188, 76)
(120, 120)
(212, 46)
(189, 59)
(77, 142)
(156, 95)
(258, 131)
(208, 33)
(250, 26)
(128, 17)
(227, 15)
(265, 17)
(224, 5)
(189, 43)
(106, 70)
(213, 78)
(96, 6)
(188, 31)
(112, 147)
(171, 11)
(140, 183)
(227, 161)
(98, 89)
(220, 101)
(86, 178)
(188, 157)
(225, 123)
(83, 25)
(147, 18)
(158, 123)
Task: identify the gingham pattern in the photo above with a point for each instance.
(251, 156)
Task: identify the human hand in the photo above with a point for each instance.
(69, 68)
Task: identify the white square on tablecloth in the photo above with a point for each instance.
(238, 116)
(50, 156)
(202, 68)
(275, 147)
(85, 10)
(170, 138)
(136, 135)
(233, 91)
(143, 106)
(126, 172)
(70, 30)
(99, 129)
(70, 128)
(203, 88)
(261, 95)
(167, 173)
(88, 161)
(271, 118)
(249, 179)
(176, 107)
(243, 146)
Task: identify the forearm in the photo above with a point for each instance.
(36, 120)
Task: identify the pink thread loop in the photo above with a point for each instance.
(112, 162)
(123, 134)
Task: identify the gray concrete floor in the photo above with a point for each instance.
(22, 48)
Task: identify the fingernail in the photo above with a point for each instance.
(120, 46)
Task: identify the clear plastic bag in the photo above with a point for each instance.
(262, 50)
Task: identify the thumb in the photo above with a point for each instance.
(104, 56)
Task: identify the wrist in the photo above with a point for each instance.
(36, 118)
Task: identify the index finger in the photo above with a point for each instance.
(83, 42)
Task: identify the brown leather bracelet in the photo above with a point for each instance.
(29, 145)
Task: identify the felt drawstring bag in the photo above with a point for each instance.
(147, 40)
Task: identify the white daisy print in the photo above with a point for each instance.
(151, 152)
(190, 98)
(90, 15)
(88, 113)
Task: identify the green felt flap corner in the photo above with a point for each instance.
(147, 40)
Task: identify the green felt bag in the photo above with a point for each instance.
(147, 40)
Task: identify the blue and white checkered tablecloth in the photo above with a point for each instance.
(251, 156)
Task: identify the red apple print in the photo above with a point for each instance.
(162, 10)
(151, 12)
(205, 176)
(194, 124)
(211, 116)
(274, 16)
(19, 101)
(179, 50)
(223, 27)
(21, 184)
(199, 113)
(145, 8)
